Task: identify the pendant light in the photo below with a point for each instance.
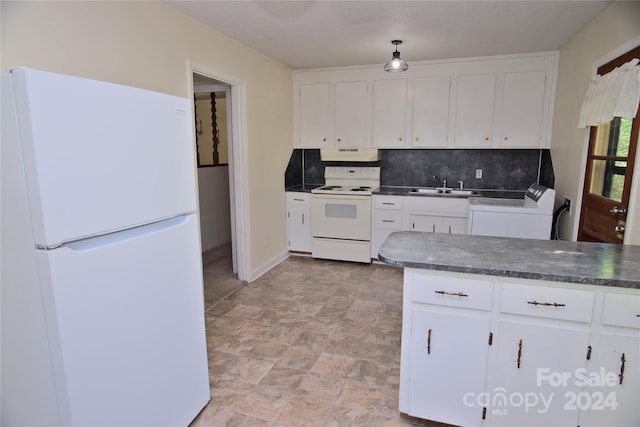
(397, 64)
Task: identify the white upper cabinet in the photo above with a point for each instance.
(351, 114)
(389, 112)
(431, 111)
(489, 102)
(475, 99)
(316, 129)
(522, 109)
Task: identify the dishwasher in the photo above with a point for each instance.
(530, 217)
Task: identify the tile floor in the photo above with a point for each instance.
(219, 279)
(310, 343)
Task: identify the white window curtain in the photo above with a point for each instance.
(615, 94)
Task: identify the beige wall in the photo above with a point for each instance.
(148, 45)
(618, 24)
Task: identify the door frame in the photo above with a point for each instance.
(633, 225)
(238, 162)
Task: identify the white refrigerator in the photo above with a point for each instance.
(101, 297)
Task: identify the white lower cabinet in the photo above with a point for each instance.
(414, 213)
(494, 351)
(299, 221)
(523, 389)
(445, 346)
(438, 224)
(436, 214)
(614, 385)
(449, 350)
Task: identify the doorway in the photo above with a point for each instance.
(609, 173)
(212, 147)
(207, 78)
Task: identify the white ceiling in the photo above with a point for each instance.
(321, 33)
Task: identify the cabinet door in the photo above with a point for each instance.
(389, 112)
(431, 111)
(475, 101)
(385, 221)
(522, 109)
(299, 222)
(315, 115)
(448, 360)
(351, 114)
(427, 223)
(527, 388)
(612, 398)
(453, 225)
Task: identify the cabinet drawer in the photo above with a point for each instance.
(389, 220)
(452, 291)
(550, 302)
(394, 203)
(298, 198)
(621, 310)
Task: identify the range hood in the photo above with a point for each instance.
(349, 154)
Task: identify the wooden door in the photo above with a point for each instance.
(609, 172)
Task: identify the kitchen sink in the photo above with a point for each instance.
(441, 192)
(462, 192)
(425, 191)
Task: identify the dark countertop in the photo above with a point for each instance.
(303, 188)
(405, 191)
(559, 261)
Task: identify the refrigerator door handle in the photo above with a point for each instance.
(98, 242)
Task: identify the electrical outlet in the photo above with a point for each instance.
(567, 200)
(478, 173)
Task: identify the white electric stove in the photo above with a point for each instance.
(341, 212)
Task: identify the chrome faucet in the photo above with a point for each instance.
(461, 185)
(443, 179)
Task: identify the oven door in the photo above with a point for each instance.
(341, 217)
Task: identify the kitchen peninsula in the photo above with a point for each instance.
(500, 331)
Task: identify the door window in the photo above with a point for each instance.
(610, 158)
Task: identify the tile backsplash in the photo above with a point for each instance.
(501, 169)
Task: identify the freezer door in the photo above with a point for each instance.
(101, 157)
(127, 326)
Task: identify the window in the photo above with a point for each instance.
(609, 159)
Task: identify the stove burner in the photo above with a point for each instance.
(332, 187)
(361, 189)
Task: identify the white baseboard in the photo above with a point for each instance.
(256, 273)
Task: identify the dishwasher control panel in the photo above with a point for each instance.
(540, 196)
